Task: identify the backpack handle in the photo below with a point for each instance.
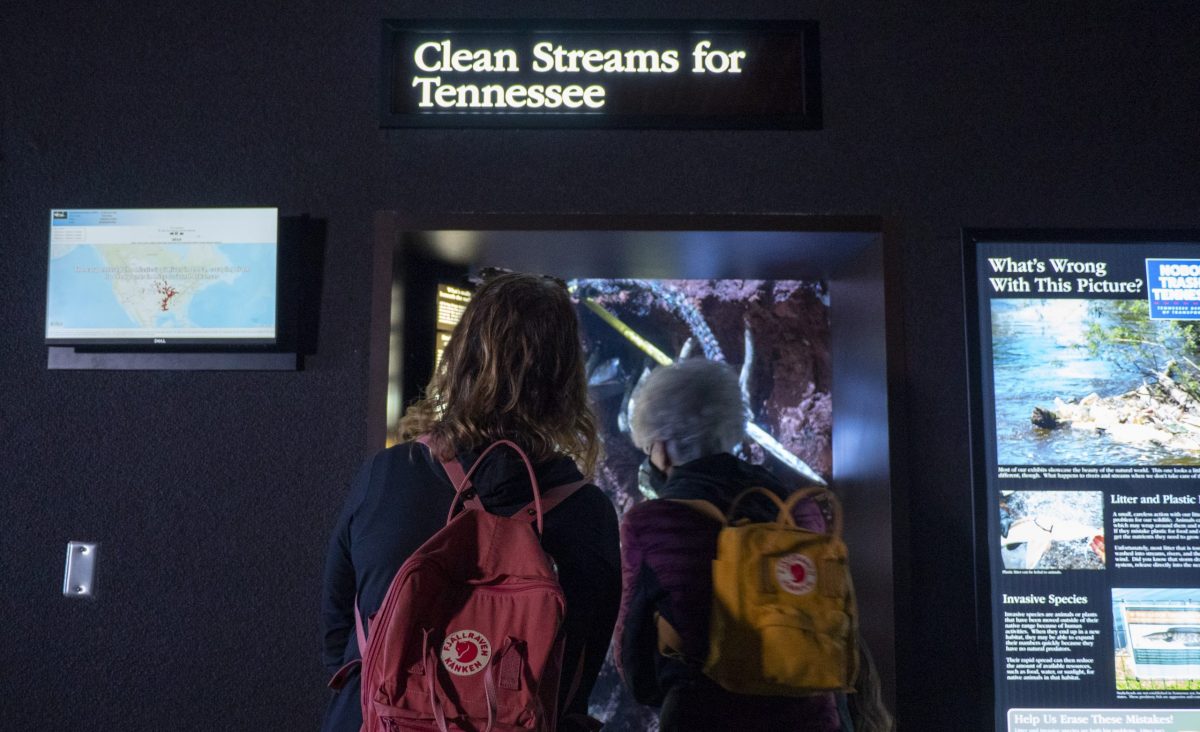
(787, 506)
(454, 471)
(785, 515)
(537, 494)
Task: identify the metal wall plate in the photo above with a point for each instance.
(79, 577)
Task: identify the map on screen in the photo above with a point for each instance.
(162, 276)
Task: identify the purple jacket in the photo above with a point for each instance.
(666, 555)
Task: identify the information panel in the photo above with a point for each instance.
(1086, 358)
(601, 74)
(451, 304)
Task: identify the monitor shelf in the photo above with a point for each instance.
(66, 357)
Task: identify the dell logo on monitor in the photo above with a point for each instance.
(160, 340)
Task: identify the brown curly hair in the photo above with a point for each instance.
(513, 369)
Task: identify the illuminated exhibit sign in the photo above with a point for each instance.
(1085, 367)
(451, 304)
(652, 74)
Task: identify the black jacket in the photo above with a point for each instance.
(400, 498)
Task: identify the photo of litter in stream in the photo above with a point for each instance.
(1052, 529)
(1094, 382)
(774, 334)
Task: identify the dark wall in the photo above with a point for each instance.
(213, 493)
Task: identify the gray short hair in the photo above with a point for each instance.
(694, 406)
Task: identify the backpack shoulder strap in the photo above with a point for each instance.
(453, 470)
(462, 483)
(458, 478)
(343, 674)
(550, 499)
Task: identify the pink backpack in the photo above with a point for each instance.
(469, 636)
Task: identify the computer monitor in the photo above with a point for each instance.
(162, 277)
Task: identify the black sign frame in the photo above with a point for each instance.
(808, 82)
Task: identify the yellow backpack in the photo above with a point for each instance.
(784, 621)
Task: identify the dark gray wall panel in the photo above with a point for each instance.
(214, 492)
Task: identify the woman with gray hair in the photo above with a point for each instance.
(687, 411)
(687, 417)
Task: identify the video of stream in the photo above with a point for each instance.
(773, 333)
(1094, 382)
(1052, 529)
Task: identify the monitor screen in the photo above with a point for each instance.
(162, 276)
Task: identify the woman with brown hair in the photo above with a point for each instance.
(513, 370)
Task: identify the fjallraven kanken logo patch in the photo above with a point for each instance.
(796, 574)
(466, 652)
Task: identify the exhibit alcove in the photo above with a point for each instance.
(795, 306)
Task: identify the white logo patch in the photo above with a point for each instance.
(796, 574)
(466, 652)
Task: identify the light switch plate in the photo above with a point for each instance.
(79, 577)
